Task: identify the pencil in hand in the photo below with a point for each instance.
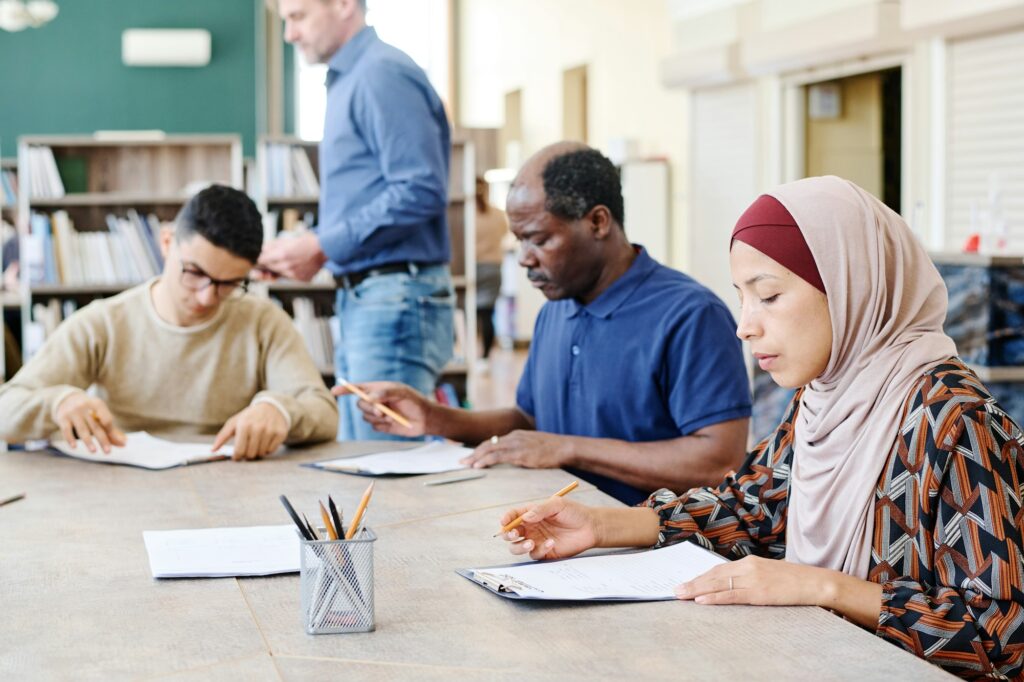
(518, 521)
(360, 393)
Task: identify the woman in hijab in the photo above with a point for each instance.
(892, 488)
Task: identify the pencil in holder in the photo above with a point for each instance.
(337, 584)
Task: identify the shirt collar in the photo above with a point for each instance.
(621, 289)
(345, 58)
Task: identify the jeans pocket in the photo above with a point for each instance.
(437, 327)
(444, 298)
(386, 290)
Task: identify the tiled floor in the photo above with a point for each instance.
(496, 386)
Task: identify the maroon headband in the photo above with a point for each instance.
(769, 227)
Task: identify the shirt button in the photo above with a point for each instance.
(575, 349)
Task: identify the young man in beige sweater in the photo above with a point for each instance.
(185, 352)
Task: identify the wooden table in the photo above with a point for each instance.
(77, 600)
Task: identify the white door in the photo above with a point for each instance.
(985, 143)
(723, 179)
(645, 194)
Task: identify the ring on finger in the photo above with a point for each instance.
(494, 440)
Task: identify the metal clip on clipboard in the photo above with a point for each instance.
(500, 582)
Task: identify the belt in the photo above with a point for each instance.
(352, 279)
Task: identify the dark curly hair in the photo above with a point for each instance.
(225, 217)
(577, 181)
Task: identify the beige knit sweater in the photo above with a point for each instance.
(159, 377)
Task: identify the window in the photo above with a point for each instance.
(417, 27)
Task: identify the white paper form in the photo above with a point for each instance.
(222, 552)
(641, 576)
(432, 458)
(148, 452)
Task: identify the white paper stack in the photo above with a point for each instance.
(222, 552)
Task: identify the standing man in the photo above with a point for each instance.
(383, 228)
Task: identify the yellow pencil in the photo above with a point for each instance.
(519, 519)
(354, 526)
(379, 405)
(328, 526)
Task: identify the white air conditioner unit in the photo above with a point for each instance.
(165, 47)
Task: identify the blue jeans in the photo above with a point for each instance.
(394, 327)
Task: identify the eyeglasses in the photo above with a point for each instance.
(195, 279)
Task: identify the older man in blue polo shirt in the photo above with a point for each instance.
(383, 227)
(635, 379)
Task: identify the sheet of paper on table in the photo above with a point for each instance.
(147, 451)
(222, 552)
(432, 458)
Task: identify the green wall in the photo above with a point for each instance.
(67, 77)
(289, 89)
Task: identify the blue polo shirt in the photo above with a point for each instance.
(383, 160)
(654, 357)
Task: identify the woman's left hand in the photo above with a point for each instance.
(754, 580)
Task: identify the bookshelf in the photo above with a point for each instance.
(287, 182)
(90, 210)
(9, 193)
(8, 215)
(286, 168)
(285, 186)
(461, 371)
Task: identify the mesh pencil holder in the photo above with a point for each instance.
(337, 584)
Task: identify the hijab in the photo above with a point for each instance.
(886, 304)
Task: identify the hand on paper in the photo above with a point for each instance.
(293, 257)
(756, 580)
(258, 430)
(528, 449)
(554, 529)
(82, 416)
(403, 399)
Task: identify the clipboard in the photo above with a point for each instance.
(430, 458)
(625, 576)
(354, 471)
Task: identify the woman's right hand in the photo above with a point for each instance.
(554, 529)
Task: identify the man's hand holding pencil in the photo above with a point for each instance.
(390, 407)
(80, 416)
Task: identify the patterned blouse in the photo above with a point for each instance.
(947, 547)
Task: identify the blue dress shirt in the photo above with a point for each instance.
(383, 160)
(654, 357)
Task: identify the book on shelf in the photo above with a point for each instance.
(10, 249)
(459, 349)
(127, 252)
(45, 318)
(289, 172)
(445, 394)
(45, 181)
(317, 332)
(291, 221)
(9, 181)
